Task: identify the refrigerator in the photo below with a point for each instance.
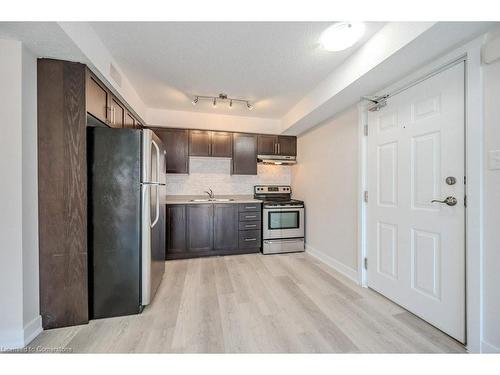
(126, 229)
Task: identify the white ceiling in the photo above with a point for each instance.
(273, 64)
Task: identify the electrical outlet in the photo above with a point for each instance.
(494, 159)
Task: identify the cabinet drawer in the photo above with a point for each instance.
(250, 225)
(250, 216)
(249, 239)
(246, 207)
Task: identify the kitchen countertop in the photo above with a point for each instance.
(187, 199)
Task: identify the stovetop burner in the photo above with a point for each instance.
(283, 202)
(276, 195)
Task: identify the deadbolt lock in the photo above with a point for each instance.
(451, 180)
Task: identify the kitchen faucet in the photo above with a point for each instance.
(210, 194)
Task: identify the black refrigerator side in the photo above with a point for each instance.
(114, 167)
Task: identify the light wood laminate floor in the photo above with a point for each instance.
(286, 303)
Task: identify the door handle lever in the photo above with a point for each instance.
(450, 201)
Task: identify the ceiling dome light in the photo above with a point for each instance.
(341, 35)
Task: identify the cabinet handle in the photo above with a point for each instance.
(279, 148)
(250, 217)
(250, 225)
(108, 114)
(250, 239)
(250, 207)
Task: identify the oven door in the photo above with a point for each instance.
(283, 222)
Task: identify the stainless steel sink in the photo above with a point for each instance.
(212, 200)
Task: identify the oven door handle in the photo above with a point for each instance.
(300, 239)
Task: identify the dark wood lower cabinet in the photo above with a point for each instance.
(225, 226)
(176, 229)
(199, 223)
(196, 230)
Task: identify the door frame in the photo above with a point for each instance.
(474, 128)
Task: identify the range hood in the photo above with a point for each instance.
(276, 159)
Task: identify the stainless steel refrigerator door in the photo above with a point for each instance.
(152, 229)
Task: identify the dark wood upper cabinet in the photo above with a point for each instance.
(287, 145)
(199, 227)
(117, 113)
(209, 143)
(222, 144)
(226, 226)
(199, 143)
(176, 143)
(129, 121)
(97, 99)
(176, 229)
(244, 154)
(267, 144)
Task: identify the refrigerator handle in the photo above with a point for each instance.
(157, 216)
(157, 161)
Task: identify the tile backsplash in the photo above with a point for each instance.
(215, 173)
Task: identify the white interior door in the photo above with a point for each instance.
(416, 247)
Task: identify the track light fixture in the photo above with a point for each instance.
(224, 98)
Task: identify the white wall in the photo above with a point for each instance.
(31, 300)
(326, 178)
(214, 173)
(11, 283)
(211, 121)
(19, 312)
(491, 255)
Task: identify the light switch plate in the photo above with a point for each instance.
(494, 159)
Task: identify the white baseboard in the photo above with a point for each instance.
(19, 338)
(32, 330)
(335, 264)
(486, 347)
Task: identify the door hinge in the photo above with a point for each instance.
(365, 196)
(365, 129)
(366, 263)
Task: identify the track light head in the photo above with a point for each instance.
(231, 103)
(249, 106)
(215, 102)
(195, 100)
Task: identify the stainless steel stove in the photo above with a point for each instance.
(282, 219)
